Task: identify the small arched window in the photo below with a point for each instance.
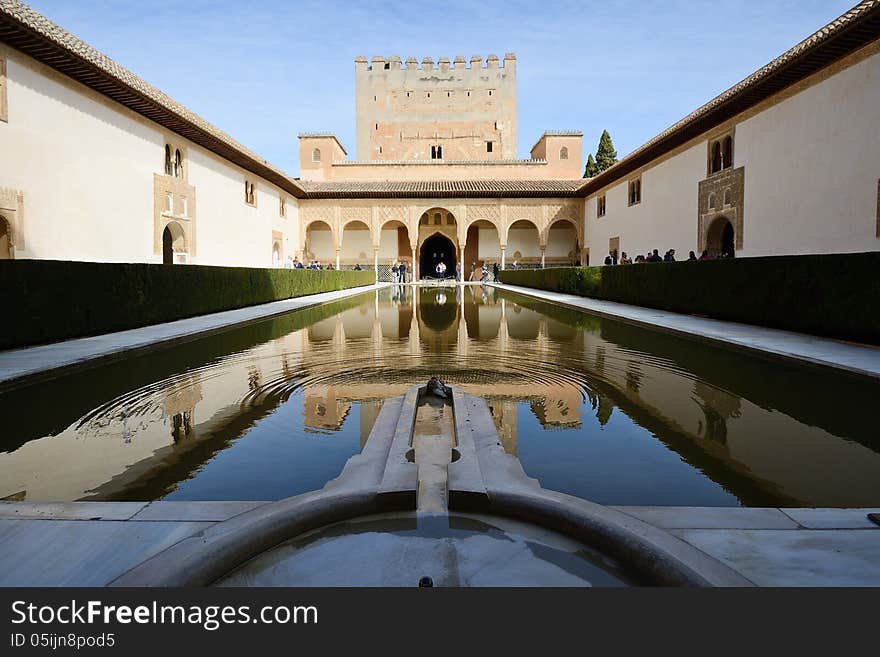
(167, 160)
(178, 164)
(727, 196)
(711, 201)
(716, 157)
(316, 155)
(563, 153)
(727, 153)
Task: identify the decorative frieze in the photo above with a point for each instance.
(12, 210)
(721, 196)
(174, 201)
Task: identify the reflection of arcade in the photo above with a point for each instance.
(736, 429)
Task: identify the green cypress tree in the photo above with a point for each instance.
(605, 155)
(591, 169)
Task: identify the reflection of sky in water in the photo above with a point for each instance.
(620, 462)
(598, 409)
(276, 458)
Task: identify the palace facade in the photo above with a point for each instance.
(98, 165)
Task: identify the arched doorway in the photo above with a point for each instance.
(523, 244)
(276, 255)
(720, 239)
(563, 246)
(173, 241)
(483, 247)
(319, 244)
(5, 240)
(437, 248)
(356, 245)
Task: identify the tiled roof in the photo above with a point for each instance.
(856, 28)
(442, 188)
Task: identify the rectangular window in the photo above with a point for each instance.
(282, 207)
(635, 191)
(600, 206)
(3, 114)
(488, 146)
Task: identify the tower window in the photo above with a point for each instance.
(316, 155)
(436, 152)
(488, 146)
(178, 164)
(600, 206)
(167, 160)
(563, 153)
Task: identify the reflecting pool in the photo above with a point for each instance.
(592, 407)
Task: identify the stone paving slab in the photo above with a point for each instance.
(77, 553)
(832, 518)
(855, 358)
(691, 517)
(193, 511)
(70, 510)
(785, 557)
(32, 364)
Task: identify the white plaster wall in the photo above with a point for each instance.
(490, 246)
(524, 240)
(86, 169)
(812, 162)
(561, 241)
(812, 165)
(388, 244)
(356, 242)
(665, 219)
(85, 165)
(320, 245)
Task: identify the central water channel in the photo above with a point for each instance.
(592, 407)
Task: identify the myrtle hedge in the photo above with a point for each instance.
(50, 300)
(835, 295)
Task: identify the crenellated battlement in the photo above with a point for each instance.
(395, 63)
(444, 108)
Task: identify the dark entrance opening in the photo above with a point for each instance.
(167, 250)
(720, 238)
(436, 249)
(727, 248)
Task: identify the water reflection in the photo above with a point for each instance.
(592, 407)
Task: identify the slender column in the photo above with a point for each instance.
(542, 256)
(337, 259)
(376, 261)
(503, 257)
(413, 268)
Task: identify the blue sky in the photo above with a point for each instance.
(265, 71)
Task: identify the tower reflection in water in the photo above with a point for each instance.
(592, 407)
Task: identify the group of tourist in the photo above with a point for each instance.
(398, 271)
(654, 256)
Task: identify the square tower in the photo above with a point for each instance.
(448, 111)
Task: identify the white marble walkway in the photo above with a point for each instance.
(856, 358)
(92, 543)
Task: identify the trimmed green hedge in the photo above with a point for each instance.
(50, 300)
(835, 295)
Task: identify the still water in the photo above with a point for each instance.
(592, 407)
